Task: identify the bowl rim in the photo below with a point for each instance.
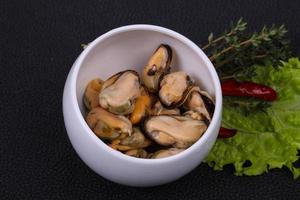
(146, 27)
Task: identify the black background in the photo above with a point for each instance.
(39, 42)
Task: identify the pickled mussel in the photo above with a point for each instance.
(174, 88)
(119, 92)
(157, 66)
(91, 94)
(176, 131)
(107, 125)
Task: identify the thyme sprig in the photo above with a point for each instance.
(236, 51)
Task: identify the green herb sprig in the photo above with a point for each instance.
(236, 51)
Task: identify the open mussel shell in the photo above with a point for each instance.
(106, 125)
(174, 89)
(199, 103)
(119, 92)
(176, 131)
(91, 93)
(157, 66)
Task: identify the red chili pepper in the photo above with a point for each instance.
(248, 89)
(226, 132)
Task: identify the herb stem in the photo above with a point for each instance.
(260, 56)
(218, 39)
(213, 57)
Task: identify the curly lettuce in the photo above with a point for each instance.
(265, 140)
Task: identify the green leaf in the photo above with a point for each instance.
(266, 140)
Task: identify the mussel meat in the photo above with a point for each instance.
(107, 125)
(91, 93)
(166, 153)
(141, 108)
(200, 102)
(174, 88)
(157, 66)
(178, 131)
(134, 141)
(138, 153)
(159, 109)
(119, 92)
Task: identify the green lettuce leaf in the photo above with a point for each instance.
(265, 140)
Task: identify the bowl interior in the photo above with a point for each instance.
(131, 50)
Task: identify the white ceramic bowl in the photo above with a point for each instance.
(129, 47)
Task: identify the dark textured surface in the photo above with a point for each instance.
(39, 42)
